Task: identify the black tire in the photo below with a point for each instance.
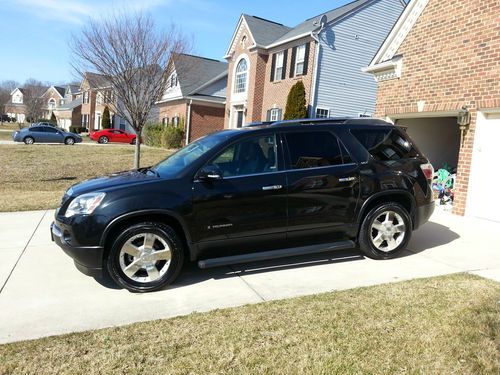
(28, 140)
(69, 141)
(118, 260)
(368, 235)
(103, 139)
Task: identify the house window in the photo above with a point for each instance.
(173, 80)
(275, 114)
(300, 59)
(52, 103)
(99, 98)
(85, 121)
(175, 121)
(165, 121)
(86, 97)
(278, 69)
(322, 112)
(61, 102)
(240, 81)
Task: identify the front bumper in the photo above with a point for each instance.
(88, 259)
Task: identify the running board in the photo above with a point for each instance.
(274, 254)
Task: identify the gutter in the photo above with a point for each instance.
(188, 121)
(315, 72)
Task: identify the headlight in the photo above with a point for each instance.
(84, 204)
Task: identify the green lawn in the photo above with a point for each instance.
(35, 177)
(444, 325)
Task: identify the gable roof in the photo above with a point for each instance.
(264, 31)
(194, 72)
(396, 37)
(20, 89)
(73, 89)
(71, 105)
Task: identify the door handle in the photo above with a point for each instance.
(272, 187)
(347, 179)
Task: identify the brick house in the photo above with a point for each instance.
(96, 93)
(326, 52)
(438, 74)
(195, 95)
(52, 98)
(68, 113)
(16, 108)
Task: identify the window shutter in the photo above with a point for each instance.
(268, 116)
(283, 72)
(273, 66)
(306, 58)
(292, 64)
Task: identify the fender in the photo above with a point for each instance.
(399, 192)
(130, 215)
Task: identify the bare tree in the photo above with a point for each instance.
(132, 56)
(32, 97)
(6, 87)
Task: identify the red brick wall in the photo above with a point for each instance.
(451, 58)
(172, 109)
(205, 120)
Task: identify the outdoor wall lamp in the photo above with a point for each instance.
(463, 121)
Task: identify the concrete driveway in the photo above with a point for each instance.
(43, 294)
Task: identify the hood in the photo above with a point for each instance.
(104, 183)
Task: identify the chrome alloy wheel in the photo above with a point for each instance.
(145, 257)
(388, 231)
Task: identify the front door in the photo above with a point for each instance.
(239, 118)
(246, 209)
(322, 188)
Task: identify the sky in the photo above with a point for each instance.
(35, 33)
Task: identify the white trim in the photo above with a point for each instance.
(314, 74)
(386, 70)
(235, 34)
(53, 87)
(241, 96)
(453, 113)
(322, 108)
(291, 39)
(399, 32)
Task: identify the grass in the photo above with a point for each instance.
(444, 325)
(35, 177)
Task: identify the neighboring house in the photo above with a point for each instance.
(69, 112)
(16, 108)
(326, 52)
(53, 98)
(195, 95)
(438, 74)
(96, 93)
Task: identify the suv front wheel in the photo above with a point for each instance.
(145, 257)
(385, 231)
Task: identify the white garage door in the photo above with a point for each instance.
(484, 187)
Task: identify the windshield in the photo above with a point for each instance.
(176, 162)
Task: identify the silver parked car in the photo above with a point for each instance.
(43, 133)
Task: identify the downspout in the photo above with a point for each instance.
(315, 72)
(188, 121)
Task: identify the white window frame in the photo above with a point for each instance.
(241, 78)
(86, 98)
(300, 58)
(322, 109)
(274, 115)
(278, 67)
(52, 103)
(173, 80)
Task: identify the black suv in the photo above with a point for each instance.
(259, 192)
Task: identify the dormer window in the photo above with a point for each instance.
(240, 81)
(173, 80)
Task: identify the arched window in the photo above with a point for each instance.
(240, 80)
(52, 103)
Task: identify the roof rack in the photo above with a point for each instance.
(312, 121)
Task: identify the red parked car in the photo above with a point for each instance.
(113, 135)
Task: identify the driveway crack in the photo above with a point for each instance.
(22, 252)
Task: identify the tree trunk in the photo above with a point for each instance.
(137, 156)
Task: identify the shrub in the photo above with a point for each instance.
(152, 135)
(159, 135)
(173, 137)
(296, 102)
(106, 120)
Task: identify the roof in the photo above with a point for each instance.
(97, 80)
(72, 88)
(70, 105)
(18, 88)
(60, 90)
(264, 31)
(193, 72)
(313, 23)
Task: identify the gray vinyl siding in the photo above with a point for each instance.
(217, 88)
(345, 48)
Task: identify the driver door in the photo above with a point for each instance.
(247, 208)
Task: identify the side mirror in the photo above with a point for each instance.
(210, 173)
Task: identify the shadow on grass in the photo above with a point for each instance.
(427, 237)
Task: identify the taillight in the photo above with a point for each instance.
(428, 170)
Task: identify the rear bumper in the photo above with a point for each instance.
(422, 214)
(88, 259)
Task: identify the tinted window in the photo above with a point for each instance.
(36, 129)
(50, 129)
(249, 156)
(385, 144)
(313, 149)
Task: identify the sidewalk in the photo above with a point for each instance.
(44, 294)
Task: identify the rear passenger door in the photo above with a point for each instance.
(322, 187)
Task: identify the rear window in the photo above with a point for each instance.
(385, 144)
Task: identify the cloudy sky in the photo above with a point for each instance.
(34, 33)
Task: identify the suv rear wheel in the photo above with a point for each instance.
(385, 231)
(145, 257)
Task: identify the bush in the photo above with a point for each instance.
(159, 135)
(106, 120)
(296, 102)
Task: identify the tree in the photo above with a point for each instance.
(53, 119)
(296, 102)
(6, 87)
(129, 52)
(32, 98)
(106, 120)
